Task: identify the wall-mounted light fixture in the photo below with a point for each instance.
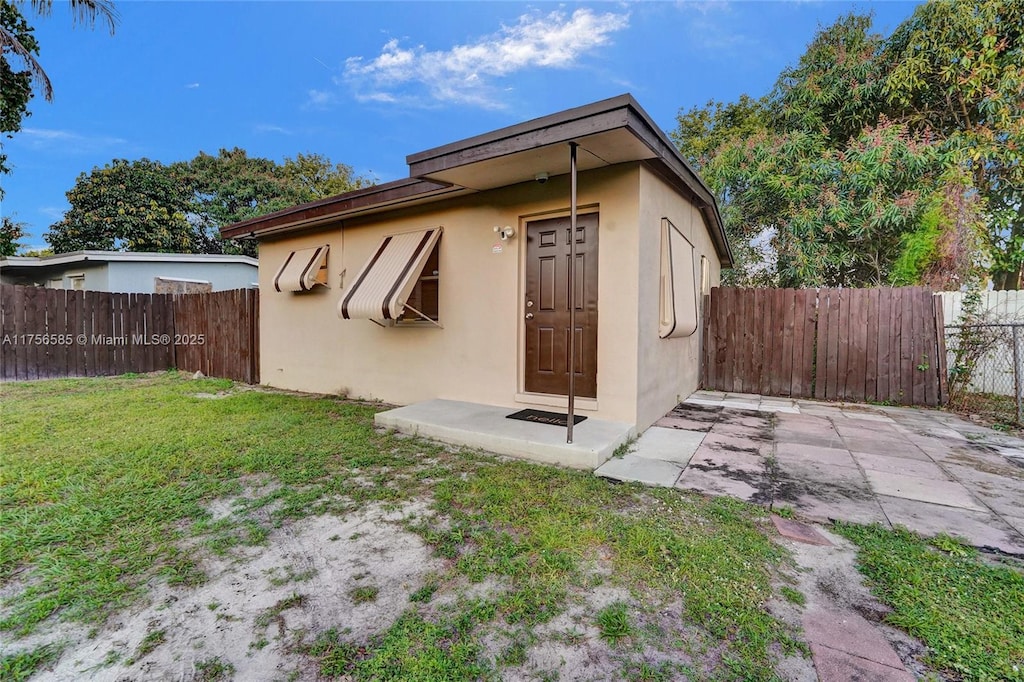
(506, 232)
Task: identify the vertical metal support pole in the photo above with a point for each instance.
(572, 294)
(1018, 374)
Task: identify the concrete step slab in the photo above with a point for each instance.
(631, 468)
(669, 445)
(487, 428)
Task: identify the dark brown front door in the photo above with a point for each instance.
(546, 306)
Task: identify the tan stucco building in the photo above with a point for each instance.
(453, 283)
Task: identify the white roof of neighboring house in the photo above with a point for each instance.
(75, 257)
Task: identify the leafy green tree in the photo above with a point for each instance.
(144, 205)
(835, 88)
(957, 69)
(318, 178)
(15, 85)
(850, 183)
(126, 205)
(233, 186)
(230, 187)
(10, 233)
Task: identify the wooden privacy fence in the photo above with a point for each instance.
(877, 345)
(52, 333)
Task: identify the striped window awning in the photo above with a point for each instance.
(678, 284)
(302, 270)
(383, 285)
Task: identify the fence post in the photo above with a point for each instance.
(1018, 371)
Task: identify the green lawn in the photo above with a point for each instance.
(968, 610)
(104, 481)
(106, 488)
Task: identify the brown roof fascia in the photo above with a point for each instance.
(617, 112)
(323, 210)
(610, 114)
(668, 158)
(564, 126)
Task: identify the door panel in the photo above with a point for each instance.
(546, 307)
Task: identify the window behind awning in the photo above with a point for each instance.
(678, 284)
(383, 285)
(302, 270)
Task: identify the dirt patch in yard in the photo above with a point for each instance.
(254, 607)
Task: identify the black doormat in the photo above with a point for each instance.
(542, 417)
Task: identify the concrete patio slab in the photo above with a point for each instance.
(1010, 451)
(669, 445)
(860, 464)
(981, 466)
(631, 468)
(739, 444)
(849, 632)
(900, 450)
(714, 483)
(948, 493)
(486, 427)
(841, 507)
(743, 396)
(837, 666)
(682, 423)
(709, 402)
(740, 404)
(868, 416)
(783, 436)
(709, 456)
(1015, 522)
(799, 452)
(822, 475)
(979, 528)
(880, 443)
(1002, 494)
(787, 409)
(901, 465)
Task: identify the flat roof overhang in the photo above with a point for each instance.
(366, 201)
(608, 132)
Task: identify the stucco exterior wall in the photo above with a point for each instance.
(667, 369)
(478, 355)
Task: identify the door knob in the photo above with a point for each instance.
(529, 316)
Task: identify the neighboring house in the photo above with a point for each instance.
(126, 272)
(453, 283)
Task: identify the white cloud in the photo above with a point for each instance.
(318, 99)
(52, 212)
(192, 86)
(66, 140)
(464, 74)
(271, 128)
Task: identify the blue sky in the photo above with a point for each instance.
(368, 83)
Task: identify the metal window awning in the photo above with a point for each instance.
(678, 284)
(302, 270)
(383, 285)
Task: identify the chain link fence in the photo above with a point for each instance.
(986, 369)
